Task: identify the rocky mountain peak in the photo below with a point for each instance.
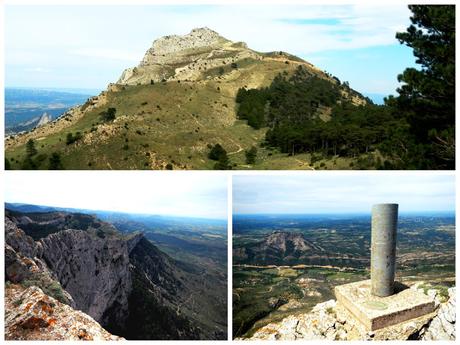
(284, 241)
(186, 57)
(44, 119)
(197, 38)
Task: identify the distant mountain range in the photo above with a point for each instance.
(114, 216)
(26, 107)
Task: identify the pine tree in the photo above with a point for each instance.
(251, 155)
(427, 97)
(30, 148)
(55, 162)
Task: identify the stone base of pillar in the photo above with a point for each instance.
(380, 312)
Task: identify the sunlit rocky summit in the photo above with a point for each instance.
(185, 57)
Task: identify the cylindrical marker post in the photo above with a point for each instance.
(383, 248)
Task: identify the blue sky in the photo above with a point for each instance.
(329, 192)
(89, 46)
(176, 194)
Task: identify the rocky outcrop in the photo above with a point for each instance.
(186, 57)
(18, 240)
(24, 265)
(165, 47)
(330, 321)
(280, 248)
(442, 327)
(88, 270)
(44, 119)
(30, 314)
(284, 241)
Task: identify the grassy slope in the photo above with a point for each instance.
(172, 123)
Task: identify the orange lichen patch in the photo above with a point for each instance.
(52, 322)
(46, 308)
(34, 323)
(28, 306)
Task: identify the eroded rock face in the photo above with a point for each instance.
(330, 321)
(44, 119)
(186, 57)
(442, 327)
(18, 240)
(32, 315)
(122, 281)
(95, 271)
(164, 47)
(23, 264)
(87, 271)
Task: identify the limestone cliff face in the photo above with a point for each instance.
(86, 271)
(44, 119)
(186, 57)
(30, 314)
(23, 264)
(123, 282)
(330, 321)
(94, 270)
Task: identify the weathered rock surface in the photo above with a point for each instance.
(442, 327)
(18, 240)
(330, 321)
(94, 270)
(32, 315)
(278, 248)
(88, 271)
(24, 265)
(44, 119)
(186, 57)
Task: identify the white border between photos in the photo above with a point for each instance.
(229, 174)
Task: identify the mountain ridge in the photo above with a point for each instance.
(179, 101)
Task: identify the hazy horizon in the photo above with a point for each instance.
(427, 212)
(18, 203)
(174, 194)
(356, 43)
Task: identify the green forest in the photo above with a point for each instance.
(414, 130)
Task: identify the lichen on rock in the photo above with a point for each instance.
(30, 314)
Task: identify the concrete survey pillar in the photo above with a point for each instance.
(383, 249)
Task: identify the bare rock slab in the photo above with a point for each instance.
(380, 312)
